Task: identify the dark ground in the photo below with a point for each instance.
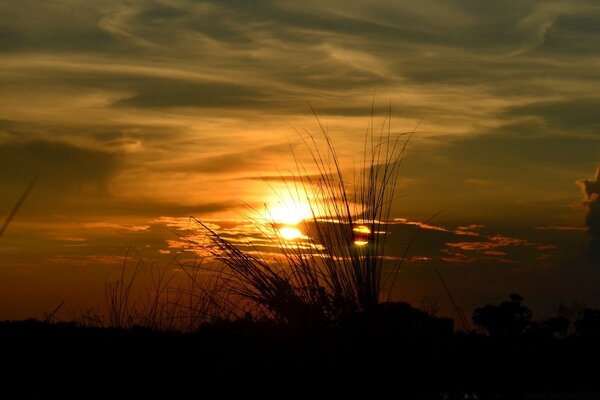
(403, 353)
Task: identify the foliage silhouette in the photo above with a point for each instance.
(510, 318)
(421, 355)
(589, 324)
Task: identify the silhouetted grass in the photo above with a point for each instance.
(333, 274)
(330, 275)
(174, 297)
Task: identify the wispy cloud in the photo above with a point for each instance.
(194, 87)
(108, 225)
(470, 230)
(561, 228)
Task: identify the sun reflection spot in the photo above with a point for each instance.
(362, 229)
(361, 235)
(289, 233)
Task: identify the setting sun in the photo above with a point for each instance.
(290, 212)
(289, 233)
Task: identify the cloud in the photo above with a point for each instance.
(491, 243)
(165, 93)
(485, 178)
(276, 54)
(590, 188)
(435, 245)
(61, 163)
(471, 230)
(166, 105)
(113, 226)
(33, 26)
(73, 182)
(561, 228)
(573, 114)
(244, 160)
(85, 260)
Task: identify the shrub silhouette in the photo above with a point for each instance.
(589, 323)
(510, 318)
(556, 326)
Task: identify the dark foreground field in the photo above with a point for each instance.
(403, 351)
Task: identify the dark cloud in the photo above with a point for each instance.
(174, 93)
(475, 245)
(53, 26)
(515, 174)
(276, 55)
(251, 160)
(520, 141)
(58, 164)
(591, 197)
(573, 115)
(574, 34)
(71, 180)
(160, 12)
(109, 137)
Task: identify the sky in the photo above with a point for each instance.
(136, 115)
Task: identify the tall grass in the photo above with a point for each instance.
(328, 276)
(121, 307)
(178, 296)
(337, 270)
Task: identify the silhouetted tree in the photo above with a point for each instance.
(588, 325)
(510, 318)
(571, 312)
(557, 326)
(404, 318)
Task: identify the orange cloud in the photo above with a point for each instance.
(109, 225)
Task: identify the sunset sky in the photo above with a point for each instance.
(139, 114)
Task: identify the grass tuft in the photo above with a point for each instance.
(338, 271)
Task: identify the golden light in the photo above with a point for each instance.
(362, 229)
(286, 212)
(289, 233)
(289, 212)
(361, 235)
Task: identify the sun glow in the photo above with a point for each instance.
(289, 233)
(289, 212)
(362, 229)
(286, 213)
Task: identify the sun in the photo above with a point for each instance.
(288, 212)
(289, 233)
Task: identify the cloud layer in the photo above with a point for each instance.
(184, 84)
